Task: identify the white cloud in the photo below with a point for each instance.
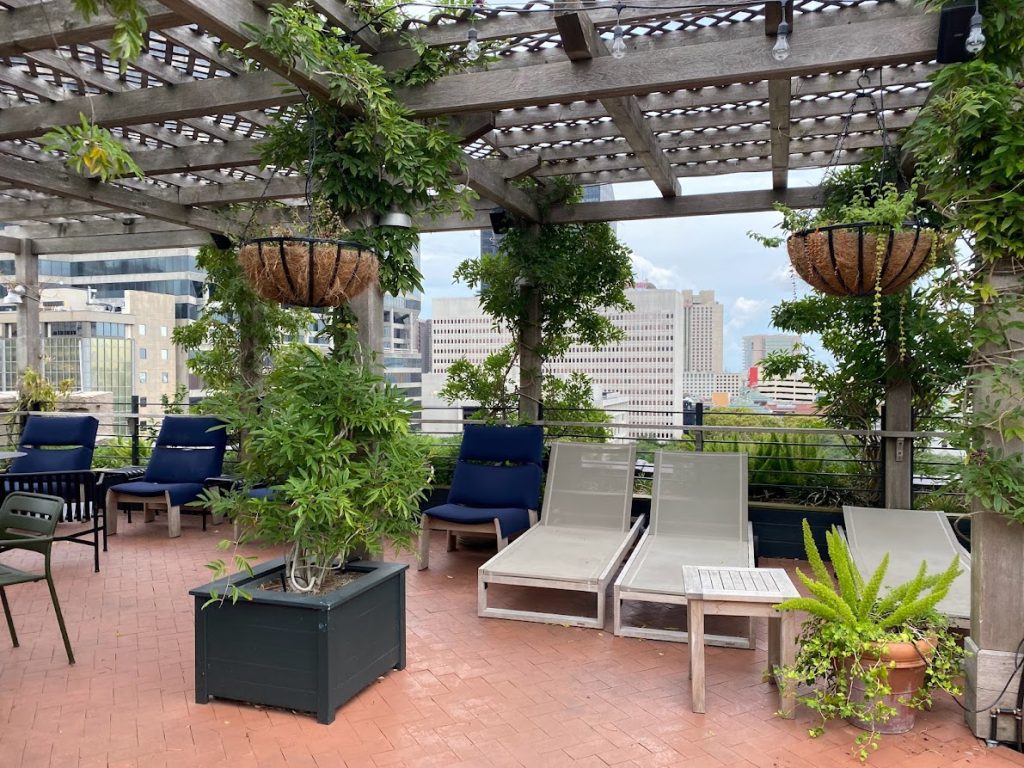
(663, 277)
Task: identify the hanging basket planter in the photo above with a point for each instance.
(307, 271)
(842, 259)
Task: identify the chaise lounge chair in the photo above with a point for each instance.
(698, 517)
(909, 536)
(583, 535)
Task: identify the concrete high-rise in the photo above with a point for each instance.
(759, 346)
(667, 334)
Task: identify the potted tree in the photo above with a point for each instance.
(329, 438)
(868, 657)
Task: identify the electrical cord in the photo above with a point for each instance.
(1018, 663)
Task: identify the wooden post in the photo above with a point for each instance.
(898, 453)
(29, 342)
(530, 373)
(997, 545)
(369, 309)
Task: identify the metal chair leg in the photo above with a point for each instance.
(7, 615)
(60, 619)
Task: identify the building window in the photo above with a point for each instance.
(164, 354)
(165, 378)
(163, 330)
(143, 377)
(142, 353)
(142, 329)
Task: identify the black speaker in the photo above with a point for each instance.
(500, 221)
(954, 26)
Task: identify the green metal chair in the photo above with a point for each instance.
(28, 521)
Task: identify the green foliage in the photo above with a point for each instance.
(91, 150)
(129, 36)
(232, 339)
(35, 393)
(362, 149)
(331, 437)
(851, 622)
(968, 141)
(490, 385)
(578, 269)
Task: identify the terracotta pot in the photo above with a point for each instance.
(907, 665)
(308, 272)
(841, 260)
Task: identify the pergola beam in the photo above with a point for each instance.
(216, 95)
(55, 23)
(743, 58)
(488, 183)
(780, 98)
(582, 43)
(68, 185)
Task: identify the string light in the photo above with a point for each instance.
(780, 51)
(472, 47)
(618, 35)
(976, 39)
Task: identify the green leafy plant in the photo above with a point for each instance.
(129, 35)
(843, 645)
(91, 151)
(331, 438)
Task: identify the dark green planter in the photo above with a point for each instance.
(298, 652)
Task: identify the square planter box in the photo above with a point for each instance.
(309, 653)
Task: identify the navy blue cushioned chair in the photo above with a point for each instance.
(188, 451)
(58, 461)
(495, 490)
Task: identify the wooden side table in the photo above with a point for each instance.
(740, 592)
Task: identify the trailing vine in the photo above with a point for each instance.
(129, 35)
(968, 142)
(91, 150)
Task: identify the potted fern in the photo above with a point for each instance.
(870, 656)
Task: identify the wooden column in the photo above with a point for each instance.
(369, 309)
(530, 373)
(898, 453)
(29, 343)
(997, 544)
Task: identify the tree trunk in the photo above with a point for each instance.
(530, 362)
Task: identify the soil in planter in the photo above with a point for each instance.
(335, 580)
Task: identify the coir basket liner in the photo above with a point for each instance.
(309, 272)
(841, 260)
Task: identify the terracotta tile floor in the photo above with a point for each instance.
(476, 692)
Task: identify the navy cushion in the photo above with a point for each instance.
(489, 485)
(183, 465)
(56, 444)
(261, 493)
(192, 432)
(516, 445)
(180, 493)
(513, 520)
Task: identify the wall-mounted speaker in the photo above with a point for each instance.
(500, 221)
(954, 26)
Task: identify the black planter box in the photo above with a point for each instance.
(309, 653)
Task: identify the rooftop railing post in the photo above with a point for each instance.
(133, 426)
(699, 421)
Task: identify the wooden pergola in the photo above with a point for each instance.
(697, 94)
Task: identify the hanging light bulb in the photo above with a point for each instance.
(472, 47)
(780, 51)
(976, 39)
(618, 43)
(618, 35)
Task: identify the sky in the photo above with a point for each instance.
(695, 253)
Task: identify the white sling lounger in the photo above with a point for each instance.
(909, 536)
(698, 517)
(583, 536)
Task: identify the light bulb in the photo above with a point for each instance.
(618, 43)
(976, 39)
(780, 51)
(472, 47)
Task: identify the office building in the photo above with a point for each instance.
(757, 347)
(667, 334)
(791, 389)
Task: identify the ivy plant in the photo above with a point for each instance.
(968, 142)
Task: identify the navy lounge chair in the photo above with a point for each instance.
(58, 461)
(495, 490)
(189, 450)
